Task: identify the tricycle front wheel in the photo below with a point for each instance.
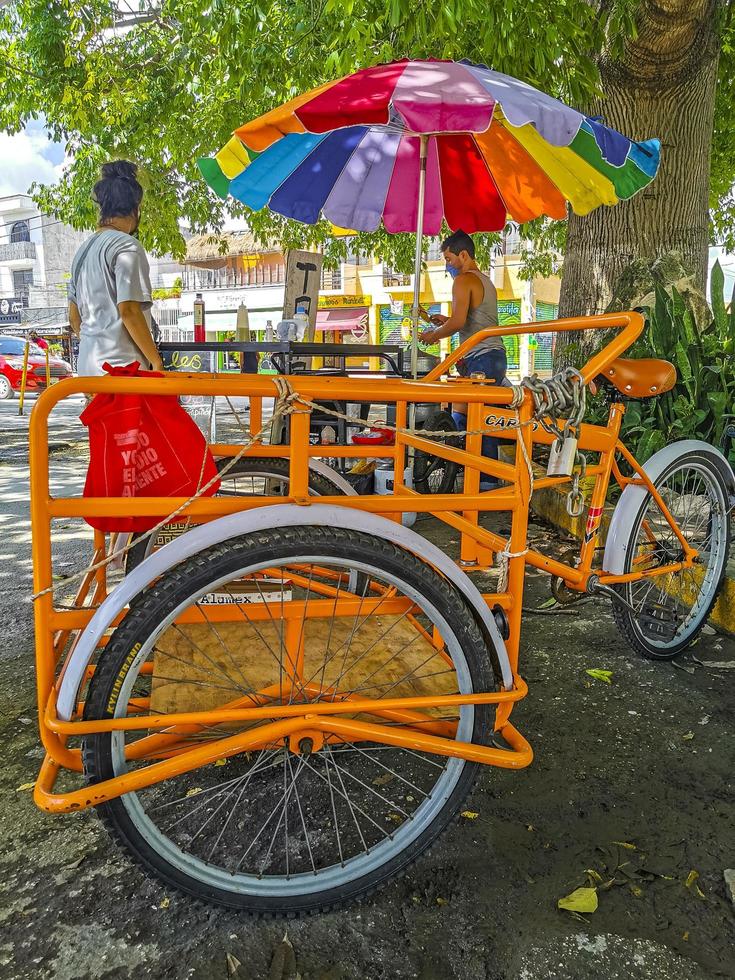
(671, 609)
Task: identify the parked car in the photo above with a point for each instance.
(12, 350)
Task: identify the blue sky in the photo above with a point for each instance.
(28, 156)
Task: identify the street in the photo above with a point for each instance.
(631, 779)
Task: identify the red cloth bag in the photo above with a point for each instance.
(143, 446)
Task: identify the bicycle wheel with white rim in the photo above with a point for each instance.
(251, 476)
(295, 824)
(671, 609)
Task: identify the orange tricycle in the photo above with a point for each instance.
(281, 708)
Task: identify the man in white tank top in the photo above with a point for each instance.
(474, 308)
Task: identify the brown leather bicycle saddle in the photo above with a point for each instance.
(641, 378)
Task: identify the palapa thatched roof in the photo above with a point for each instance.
(217, 247)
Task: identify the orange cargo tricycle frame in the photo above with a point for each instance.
(58, 629)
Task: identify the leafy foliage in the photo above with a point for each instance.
(168, 82)
(705, 390)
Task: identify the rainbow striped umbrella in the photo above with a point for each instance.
(412, 142)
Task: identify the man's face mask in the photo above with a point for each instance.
(453, 269)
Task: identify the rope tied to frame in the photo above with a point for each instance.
(551, 399)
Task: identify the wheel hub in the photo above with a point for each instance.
(305, 742)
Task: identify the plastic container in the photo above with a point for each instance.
(375, 437)
(385, 482)
(286, 330)
(302, 322)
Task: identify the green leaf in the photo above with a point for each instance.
(600, 675)
(718, 401)
(717, 298)
(683, 361)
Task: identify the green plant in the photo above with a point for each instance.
(168, 292)
(697, 406)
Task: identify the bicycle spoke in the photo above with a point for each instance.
(304, 811)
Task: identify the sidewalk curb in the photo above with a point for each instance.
(550, 504)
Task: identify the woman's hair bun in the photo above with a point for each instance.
(119, 170)
(117, 193)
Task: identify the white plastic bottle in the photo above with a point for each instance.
(302, 322)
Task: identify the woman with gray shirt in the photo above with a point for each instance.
(110, 290)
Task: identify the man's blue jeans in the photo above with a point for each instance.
(493, 364)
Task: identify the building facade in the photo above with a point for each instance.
(363, 301)
(35, 256)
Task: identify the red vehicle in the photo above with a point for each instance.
(12, 350)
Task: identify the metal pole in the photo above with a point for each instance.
(417, 263)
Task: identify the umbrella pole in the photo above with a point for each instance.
(417, 263)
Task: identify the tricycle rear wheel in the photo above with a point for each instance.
(272, 830)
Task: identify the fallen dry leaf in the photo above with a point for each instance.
(626, 844)
(233, 965)
(580, 900)
(687, 736)
(691, 884)
(469, 814)
(382, 780)
(283, 964)
(165, 903)
(194, 791)
(221, 762)
(24, 786)
(442, 901)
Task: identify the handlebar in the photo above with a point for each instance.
(630, 324)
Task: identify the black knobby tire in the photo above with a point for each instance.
(270, 467)
(640, 631)
(151, 608)
(432, 474)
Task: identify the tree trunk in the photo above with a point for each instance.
(663, 85)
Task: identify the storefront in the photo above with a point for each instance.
(342, 319)
(394, 324)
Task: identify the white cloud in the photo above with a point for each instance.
(24, 158)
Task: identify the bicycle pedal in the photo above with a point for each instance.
(658, 627)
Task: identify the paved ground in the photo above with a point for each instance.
(646, 761)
